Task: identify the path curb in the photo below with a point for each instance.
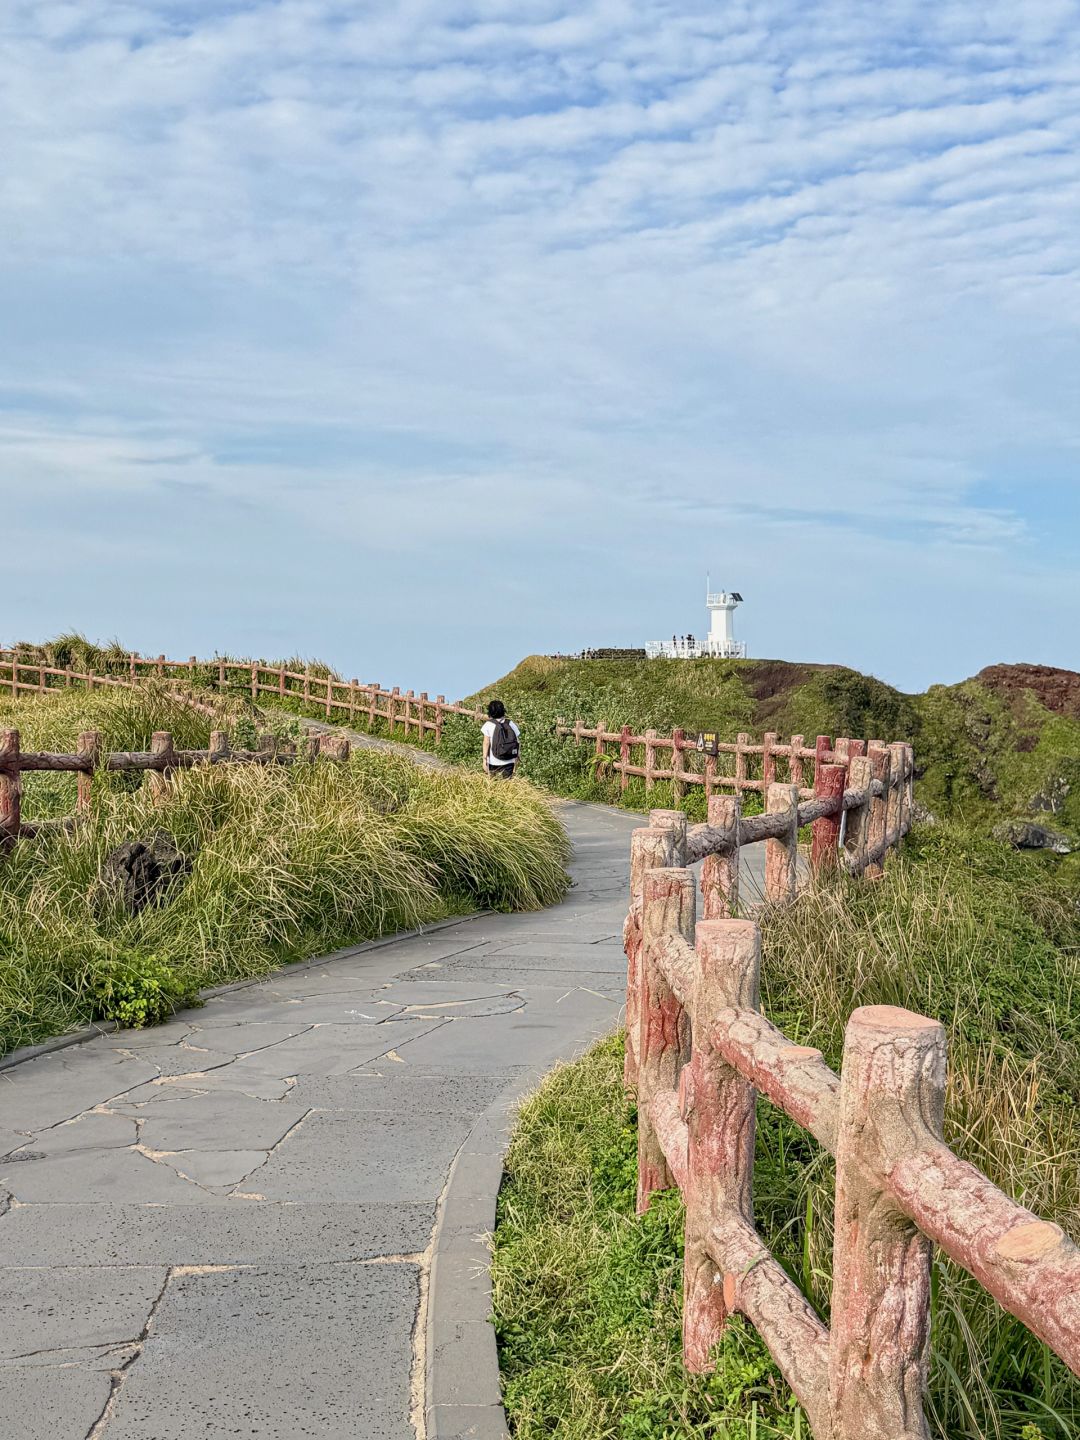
(108, 1027)
(463, 1399)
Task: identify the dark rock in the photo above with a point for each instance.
(1023, 835)
(1051, 798)
(144, 872)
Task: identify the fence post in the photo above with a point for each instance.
(857, 830)
(650, 849)
(795, 763)
(718, 1107)
(892, 1098)
(160, 667)
(909, 785)
(219, 747)
(880, 762)
(408, 711)
(440, 701)
(192, 662)
(897, 787)
(825, 833)
(131, 667)
(675, 822)
(89, 753)
(10, 788)
(161, 745)
(741, 742)
(663, 1027)
(329, 695)
(720, 873)
(782, 853)
(650, 759)
(352, 703)
(392, 707)
(421, 710)
(768, 759)
(678, 765)
(41, 679)
(373, 704)
(624, 755)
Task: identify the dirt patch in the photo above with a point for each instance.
(1057, 690)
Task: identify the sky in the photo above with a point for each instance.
(421, 336)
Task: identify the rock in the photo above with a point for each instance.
(1023, 835)
(1051, 798)
(920, 815)
(144, 872)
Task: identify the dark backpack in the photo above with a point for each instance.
(504, 743)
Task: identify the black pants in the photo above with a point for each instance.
(501, 772)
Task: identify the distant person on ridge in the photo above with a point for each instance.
(501, 747)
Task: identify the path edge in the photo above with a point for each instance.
(107, 1027)
(463, 1394)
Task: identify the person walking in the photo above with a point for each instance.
(501, 737)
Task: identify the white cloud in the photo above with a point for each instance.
(700, 274)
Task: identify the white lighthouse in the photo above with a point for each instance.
(721, 641)
(719, 644)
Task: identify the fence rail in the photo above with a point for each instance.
(347, 699)
(158, 763)
(699, 1050)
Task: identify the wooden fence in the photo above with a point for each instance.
(699, 1050)
(158, 763)
(345, 700)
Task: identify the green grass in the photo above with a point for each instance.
(587, 1297)
(288, 862)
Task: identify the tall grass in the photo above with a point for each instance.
(587, 1296)
(287, 862)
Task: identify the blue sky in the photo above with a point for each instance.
(424, 335)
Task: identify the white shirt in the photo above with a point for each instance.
(488, 730)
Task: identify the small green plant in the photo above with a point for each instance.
(137, 990)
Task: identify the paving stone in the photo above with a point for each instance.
(52, 1403)
(98, 1175)
(216, 1121)
(217, 1169)
(535, 978)
(241, 1232)
(505, 1041)
(96, 1130)
(383, 1085)
(349, 1155)
(73, 1309)
(279, 1353)
(329, 1049)
(62, 1085)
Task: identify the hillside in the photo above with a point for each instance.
(1004, 743)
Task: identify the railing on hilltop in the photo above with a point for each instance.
(699, 1049)
(158, 763)
(346, 700)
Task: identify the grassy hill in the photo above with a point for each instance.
(1004, 743)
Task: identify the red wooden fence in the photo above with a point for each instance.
(699, 1050)
(158, 763)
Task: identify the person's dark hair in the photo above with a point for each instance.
(496, 710)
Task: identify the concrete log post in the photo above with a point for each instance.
(857, 832)
(329, 695)
(795, 764)
(768, 760)
(720, 873)
(307, 684)
(880, 766)
(663, 1025)
(90, 754)
(678, 765)
(254, 681)
(782, 854)
(741, 742)
(892, 1089)
(161, 667)
(650, 759)
(624, 756)
(10, 788)
(219, 747)
(825, 833)
(156, 782)
(897, 790)
(650, 849)
(440, 701)
(717, 1105)
(676, 823)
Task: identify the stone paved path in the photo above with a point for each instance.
(220, 1227)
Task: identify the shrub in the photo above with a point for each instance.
(136, 990)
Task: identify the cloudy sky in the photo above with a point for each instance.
(424, 335)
